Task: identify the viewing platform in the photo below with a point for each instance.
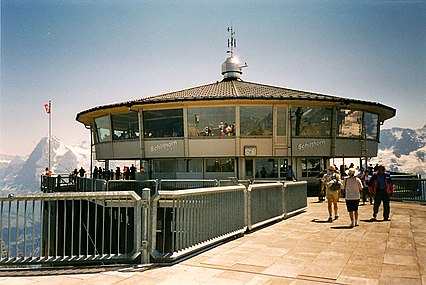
(304, 249)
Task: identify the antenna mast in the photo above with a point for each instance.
(232, 41)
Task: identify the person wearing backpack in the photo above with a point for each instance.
(333, 184)
(381, 187)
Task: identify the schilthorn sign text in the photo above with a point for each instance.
(312, 145)
(164, 147)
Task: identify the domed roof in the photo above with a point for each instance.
(231, 69)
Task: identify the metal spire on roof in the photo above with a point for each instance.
(231, 68)
(232, 41)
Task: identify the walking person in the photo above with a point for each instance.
(321, 193)
(353, 187)
(333, 184)
(290, 174)
(365, 178)
(381, 188)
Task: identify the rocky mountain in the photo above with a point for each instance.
(403, 150)
(20, 175)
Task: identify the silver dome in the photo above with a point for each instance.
(231, 68)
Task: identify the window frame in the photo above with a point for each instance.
(174, 128)
(250, 132)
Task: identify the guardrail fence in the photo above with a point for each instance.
(187, 220)
(70, 227)
(409, 189)
(140, 223)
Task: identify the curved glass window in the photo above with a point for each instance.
(103, 132)
(349, 123)
(266, 168)
(256, 120)
(311, 122)
(371, 122)
(163, 123)
(220, 165)
(193, 165)
(211, 121)
(125, 126)
(311, 167)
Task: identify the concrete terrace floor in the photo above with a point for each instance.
(303, 249)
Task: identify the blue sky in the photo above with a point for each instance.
(83, 53)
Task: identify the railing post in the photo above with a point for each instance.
(144, 231)
(248, 207)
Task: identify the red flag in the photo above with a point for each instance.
(47, 108)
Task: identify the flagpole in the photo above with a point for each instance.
(50, 131)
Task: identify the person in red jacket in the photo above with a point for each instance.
(381, 188)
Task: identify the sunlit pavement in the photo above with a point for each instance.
(304, 249)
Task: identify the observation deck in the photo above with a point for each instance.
(301, 250)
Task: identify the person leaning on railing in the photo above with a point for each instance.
(381, 187)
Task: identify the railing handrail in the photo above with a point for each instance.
(395, 178)
(198, 191)
(73, 195)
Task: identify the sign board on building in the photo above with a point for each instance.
(311, 147)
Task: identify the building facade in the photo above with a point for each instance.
(235, 128)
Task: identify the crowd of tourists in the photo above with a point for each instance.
(373, 185)
(128, 173)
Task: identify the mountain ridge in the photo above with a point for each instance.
(400, 150)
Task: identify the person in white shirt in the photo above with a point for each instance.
(353, 188)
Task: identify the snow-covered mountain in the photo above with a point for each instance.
(20, 175)
(403, 150)
(400, 150)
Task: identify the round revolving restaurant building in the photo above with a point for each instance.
(235, 128)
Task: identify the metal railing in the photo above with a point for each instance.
(56, 183)
(179, 184)
(70, 228)
(133, 185)
(295, 194)
(265, 203)
(409, 189)
(133, 226)
(184, 221)
(84, 184)
(230, 182)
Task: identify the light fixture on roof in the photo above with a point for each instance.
(232, 68)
